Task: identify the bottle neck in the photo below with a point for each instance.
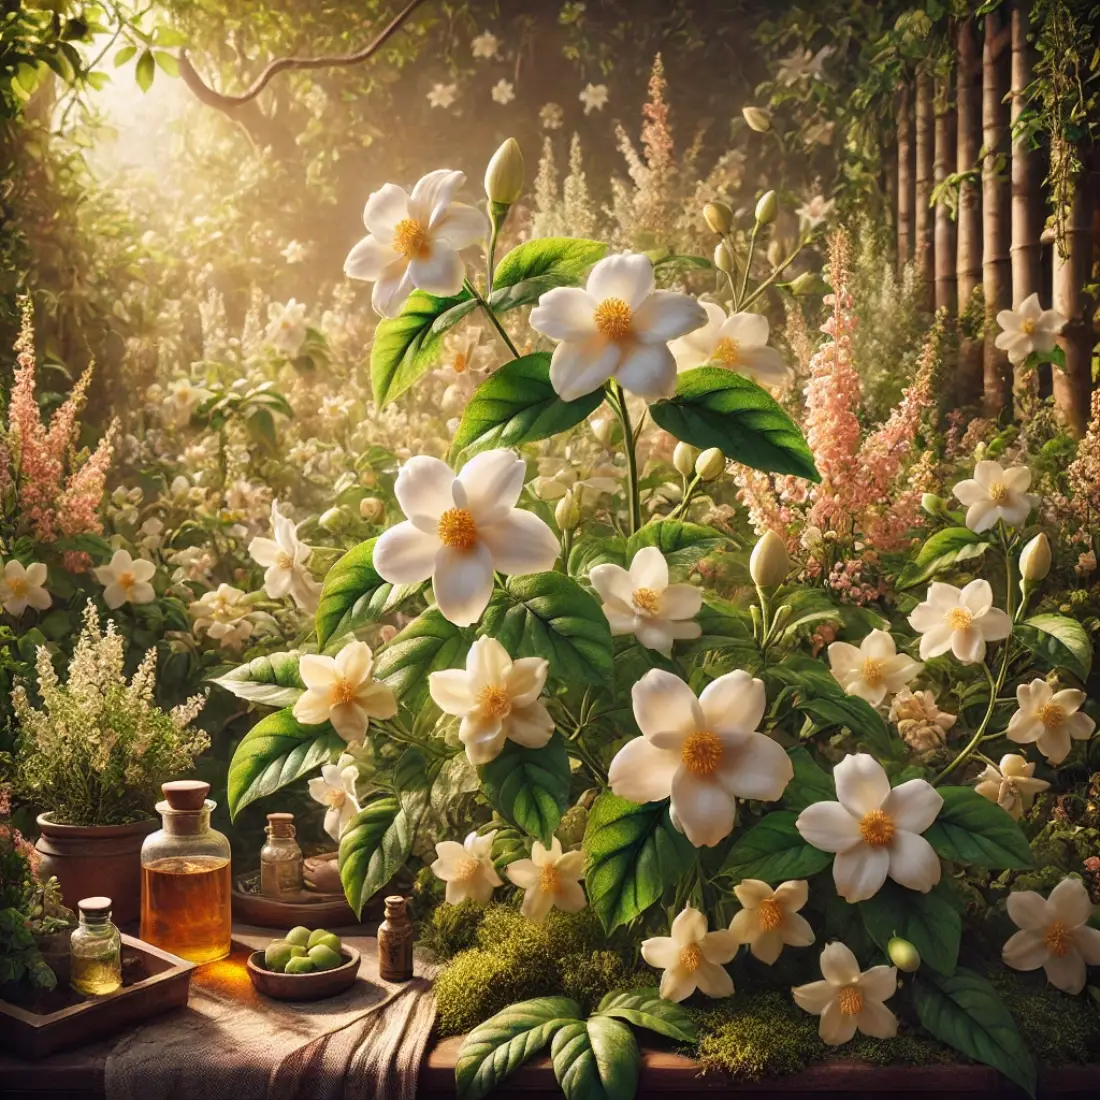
(186, 822)
(99, 924)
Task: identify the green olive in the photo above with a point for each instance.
(298, 935)
(324, 958)
(302, 965)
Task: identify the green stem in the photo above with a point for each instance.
(489, 259)
(618, 403)
(689, 489)
(748, 265)
(771, 278)
(493, 318)
(979, 733)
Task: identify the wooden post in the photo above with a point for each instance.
(944, 272)
(968, 255)
(922, 215)
(906, 182)
(996, 269)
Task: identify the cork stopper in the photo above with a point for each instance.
(395, 906)
(186, 794)
(281, 825)
(95, 909)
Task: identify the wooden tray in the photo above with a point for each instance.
(314, 910)
(164, 985)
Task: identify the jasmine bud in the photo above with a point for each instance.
(769, 563)
(710, 464)
(903, 955)
(757, 118)
(723, 258)
(505, 174)
(683, 458)
(719, 217)
(767, 208)
(1035, 560)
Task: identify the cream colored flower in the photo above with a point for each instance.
(921, 723)
(769, 919)
(467, 868)
(335, 788)
(183, 397)
(342, 690)
(126, 580)
(284, 559)
(485, 45)
(1010, 784)
(960, 621)
(224, 616)
(1049, 719)
(461, 529)
(618, 326)
(22, 587)
(642, 602)
(286, 326)
(496, 698)
(442, 95)
(994, 493)
(815, 212)
(503, 91)
(691, 957)
(850, 999)
(1054, 934)
(1027, 329)
(594, 97)
(550, 880)
(874, 830)
(737, 342)
(703, 753)
(874, 670)
(413, 241)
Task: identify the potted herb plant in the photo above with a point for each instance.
(96, 753)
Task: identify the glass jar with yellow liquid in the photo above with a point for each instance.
(95, 950)
(185, 877)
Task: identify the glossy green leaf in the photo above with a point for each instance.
(1059, 642)
(549, 615)
(278, 751)
(529, 787)
(517, 404)
(811, 783)
(429, 643)
(928, 921)
(773, 850)
(501, 1044)
(145, 70)
(719, 408)
(975, 832)
(855, 714)
(272, 681)
(534, 267)
(645, 1008)
(941, 550)
(596, 1059)
(682, 544)
(632, 855)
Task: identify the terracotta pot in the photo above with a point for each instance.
(96, 861)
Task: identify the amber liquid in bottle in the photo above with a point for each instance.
(185, 906)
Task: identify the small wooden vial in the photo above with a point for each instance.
(395, 942)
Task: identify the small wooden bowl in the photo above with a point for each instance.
(304, 987)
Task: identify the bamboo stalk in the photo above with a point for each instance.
(996, 268)
(906, 182)
(968, 256)
(944, 235)
(922, 214)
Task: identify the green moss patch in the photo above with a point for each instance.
(1059, 1029)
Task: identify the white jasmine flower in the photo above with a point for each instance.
(558, 476)
(551, 116)
(496, 698)
(962, 621)
(803, 63)
(994, 493)
(921, 723)
(815, 212)
(342, 690)
(769, 919)
(550, 879)
(294, 253)
(594, 97)
(503, 91)
(738, 342)
(224, 616)
(284, 559)
(691, 957)
(460, 529)
(443, 95)
(286, 326)
(125, 580)
(1054, 934)
(1030, 328)
(183, 398)
(642, 602)
(703, 753)
(1010, 784)
(413, 241)
(874, 830)
(873, 670)
(485, 45)
(336, 789)
(466, 352)
(24, 586)
(1049, 719)
(618, 326)
(849, 999)
(467, 868)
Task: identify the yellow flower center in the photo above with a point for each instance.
(645, 599)
(1028, 327)
(851, 1001)
(126, 579)
(336, 797)
(613, 318)
(691, 958)
(877, 828)
(457, 529)
(1057, 939)
(283, 560)
(459, 365)
(466, 870)
(1052, 715)
(410, 239)
(727, 352)
(18, 586)
(959, 618)
(998, 493)
(873, 671)
(769, 915)
(494, 701)
(342, 693)
(549, 880)
(702, 753)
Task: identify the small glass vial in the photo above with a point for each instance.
(395, 942)
(281, 861)
(95, 950)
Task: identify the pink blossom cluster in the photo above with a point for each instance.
(56, 495)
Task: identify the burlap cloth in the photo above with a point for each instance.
(231, 1043)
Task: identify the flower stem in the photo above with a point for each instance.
(618, 403)
(771, 278)
(748, 266)
(979, 733)
(493, 318)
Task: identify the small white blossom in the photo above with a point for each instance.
(503, 91)
(126, 580)
(443, 95)
(1030, 328)
(994, 493)
(22, 587)
(815, 212)
(485, 45)
(286, 326)
(342, 690)
(550, 879)
(691, 957)
(873, 670)
(1011, 784)
(849, 999)
(551, 115)
(467, 868)
(1051, 720)
(335, 789)
(594, 97)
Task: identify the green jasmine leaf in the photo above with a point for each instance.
(941, 550)
(429, 643)
(974, 831)
(928, 921)
(529, 787)
(1059, 642)
(811, 783)
(595, 1060)
(682, 544)
(855, 714)
(773, 850)
(644, 1008)
(373, 848)
(272, 681)
(534, 267)
(145, 70)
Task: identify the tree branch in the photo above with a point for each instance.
(205, 94)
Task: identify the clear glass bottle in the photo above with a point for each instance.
(186, 878)
(95, 950)
(281, 861)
